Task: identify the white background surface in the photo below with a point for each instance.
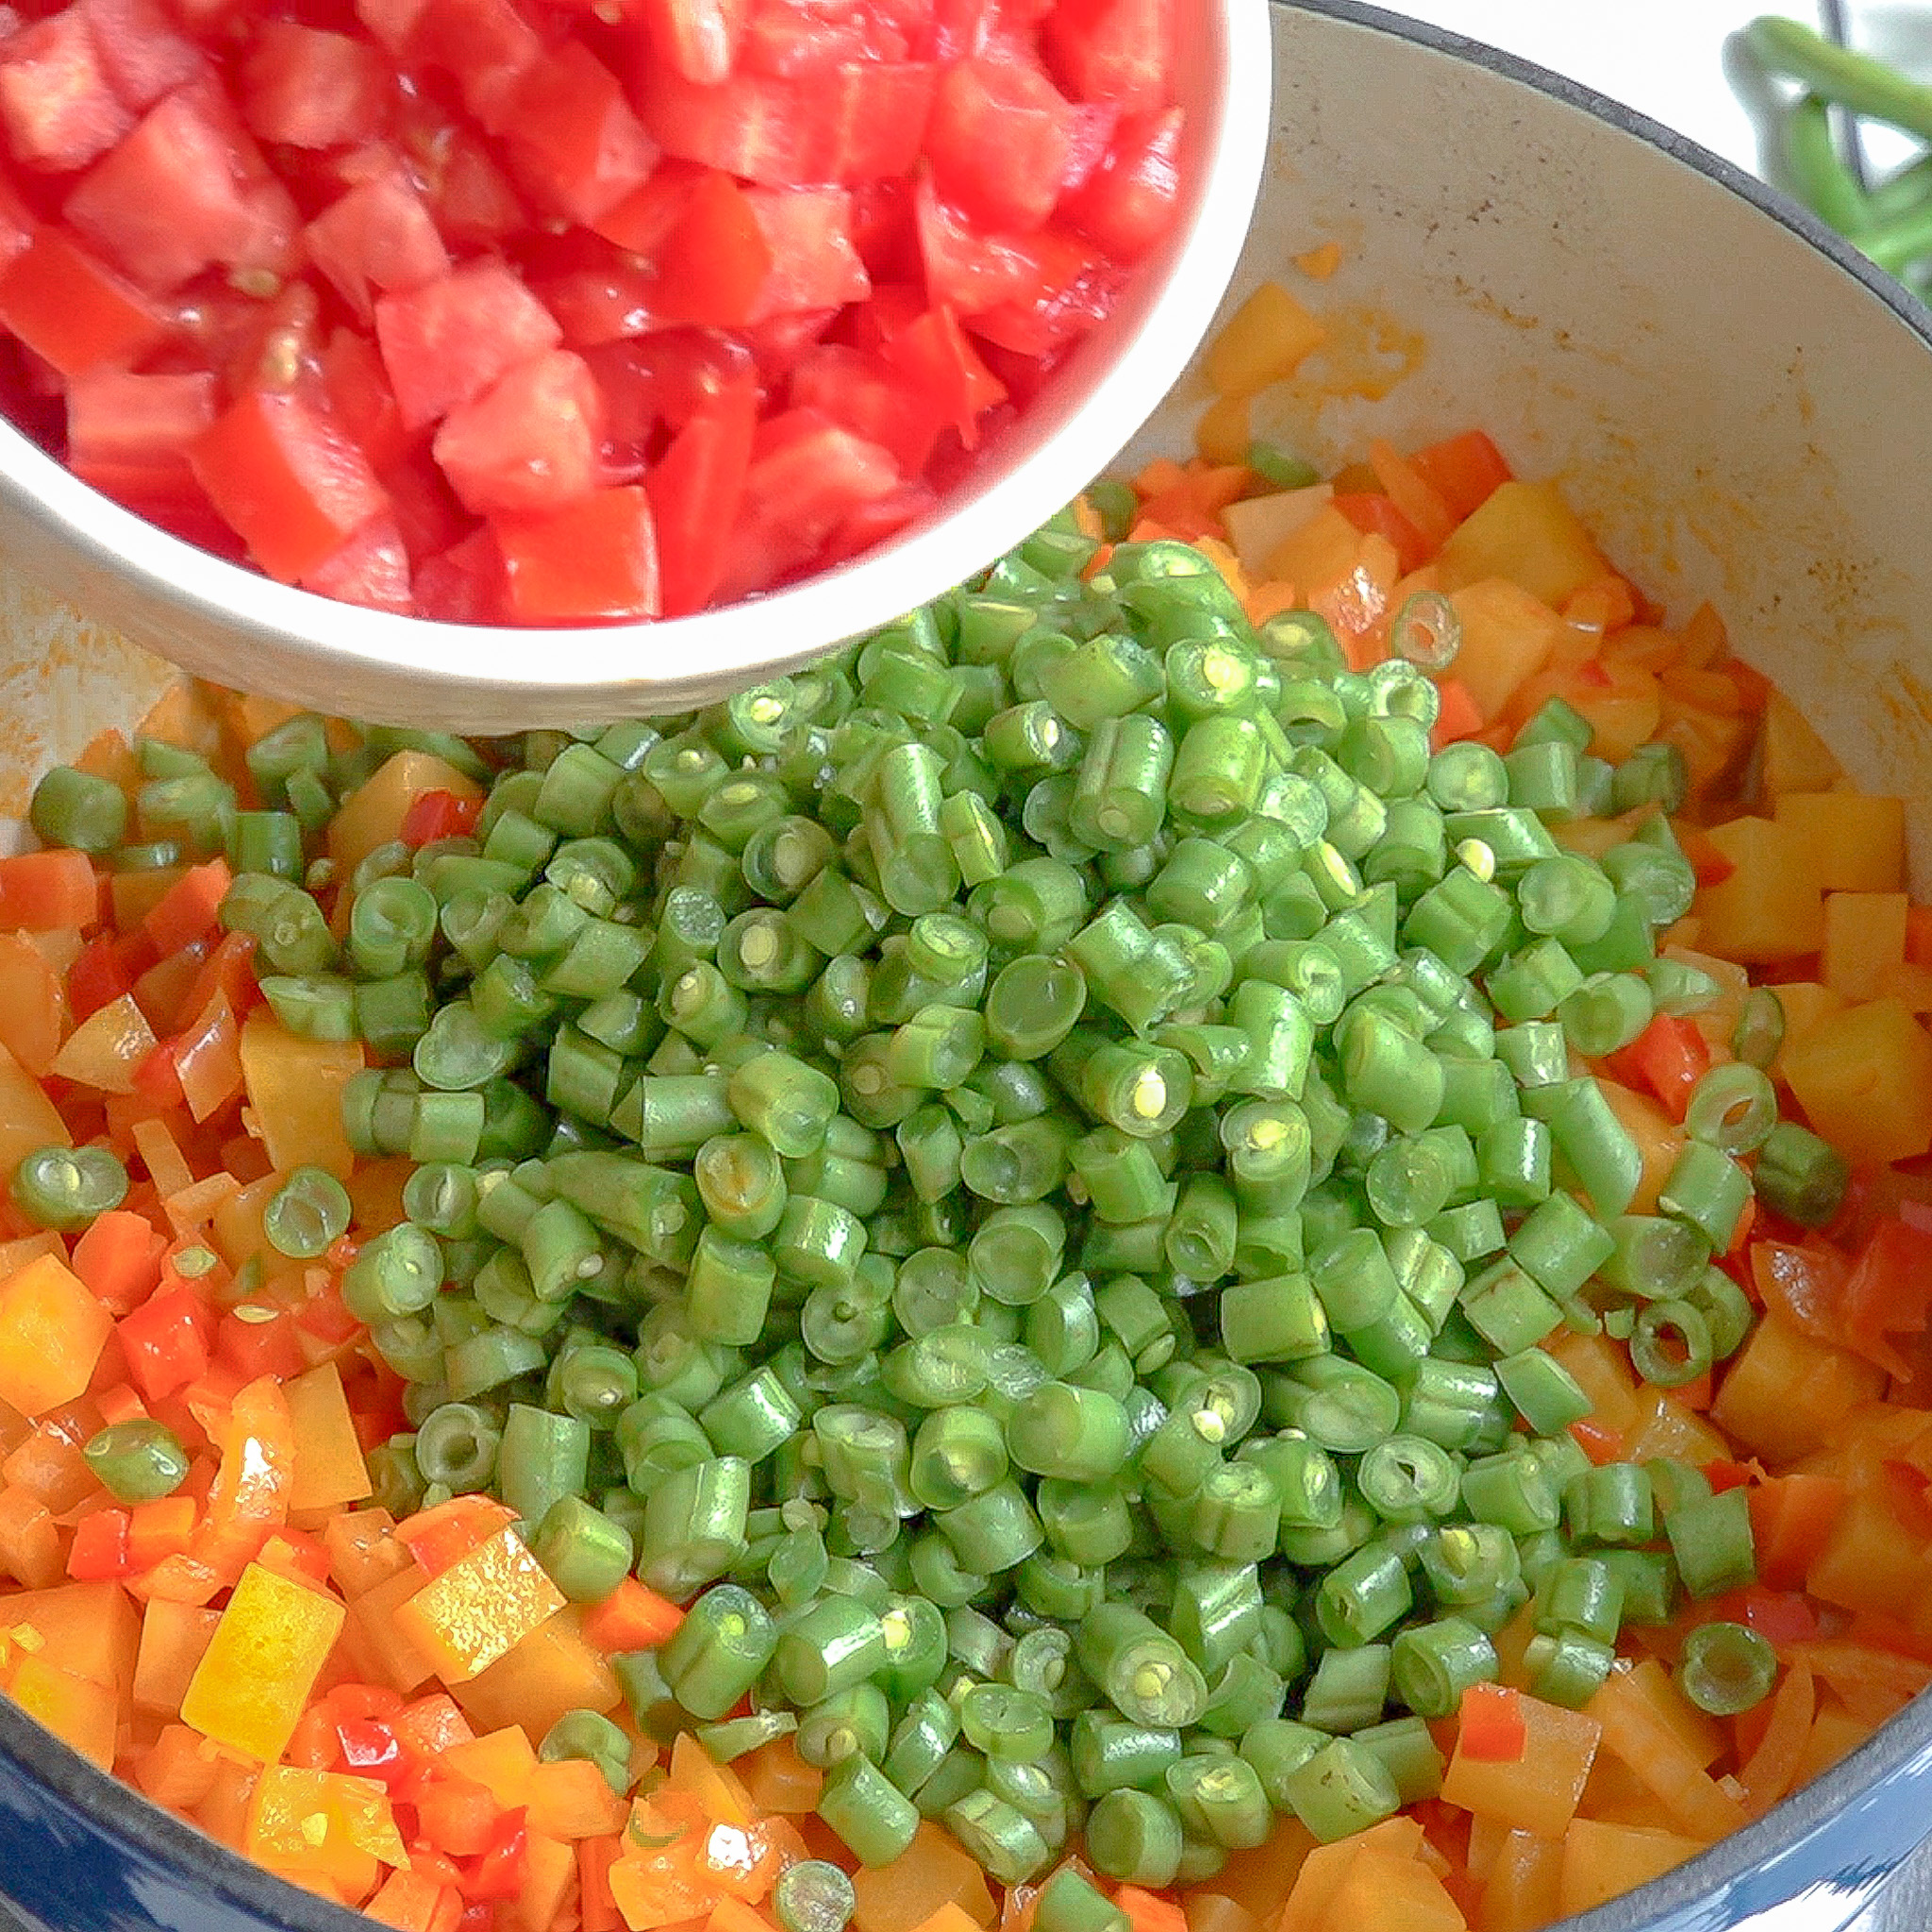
(1667, 57)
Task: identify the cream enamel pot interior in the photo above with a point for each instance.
(1741, 408)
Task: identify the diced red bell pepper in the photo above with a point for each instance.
(100, 1549)
(434, 815)
(1667, 1058)
(168, 1341)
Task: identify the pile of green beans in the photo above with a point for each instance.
(1025, 1172)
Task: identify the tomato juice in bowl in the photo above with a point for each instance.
(475, 318)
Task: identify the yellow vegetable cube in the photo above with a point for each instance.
(295, 1093)
(79, 1711)
(329, 1466)
(1507, 636)
(1771, 906)
(52, 1332)
(1856, 842)
(323, 1825)
(1257, 526)
(1604, 1861)
(479, 1608)
(1527, 533)
(253, 1679)
(1864, 937)
(1265, 340)
(1864, 1079)
(28, 1118)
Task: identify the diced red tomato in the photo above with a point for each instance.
(129, 436)
(998, 141)
(1129, 200)
(370, 567)
(141, 51)
(310, 88)
(641, 220)
(715, 262)
(969, 270)
(872, 524)
(867, 395)
(288, 480)
(361, 399)
(1121, 51)
(806, 475)
(575, 142)
(807, 235)
(528, 442)
(935, 356)
(665, 379)
(850, 123)
(448, 341)
(591, 561)
(697, 39)
(169, 201)
(57, 105)
(377, 239)
(464, 584)
(487, 45)
(1074, 286)
(68, 307)
(696, 493)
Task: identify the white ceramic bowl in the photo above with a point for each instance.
(228, 623)
(1741, 408)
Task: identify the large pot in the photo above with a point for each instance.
(1740, 408)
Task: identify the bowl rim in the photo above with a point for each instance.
(1116, 378)
(188, 1855)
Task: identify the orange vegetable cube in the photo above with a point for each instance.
(550, 1869)
(552, 1671)
(1224, 432)
(479, 1608)
(93, 1629)
(1604, 1861)
(52, 1332)
(1806, 1003)
(252, 1681)
(1865, 1082)
(1319, 549)
(380, 1644)
(363, 1550)
(930, 1872)
(329, 1468)
(1507, 637)
(1520, 1891)
(1382, 1892)
(1663, 1427)
(77, 1710)
(1864, 937)
(1771, 906)
(1527, 533)
(1265, 340)
(1257, 526)
(572, 1799)
(1649, 1744)
(174, 1639)
(1871, 1561)
(1326, 1867)
(1539, 1791)
(1786, 1396)
(295, 1093)
(1855, 840)
(500, 1761)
